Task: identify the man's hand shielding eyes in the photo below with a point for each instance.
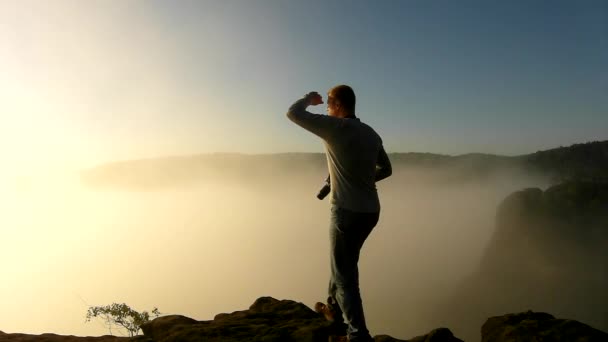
(314, 98)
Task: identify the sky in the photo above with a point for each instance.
(87, 82)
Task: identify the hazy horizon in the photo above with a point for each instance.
(90, 82)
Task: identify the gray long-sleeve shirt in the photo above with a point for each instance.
(355, 157)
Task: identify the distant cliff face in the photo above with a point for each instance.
(553, 246)
(549, 252)
(552, 232)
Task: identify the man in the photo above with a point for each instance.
(356, 160)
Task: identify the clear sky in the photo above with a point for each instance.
(85, 82)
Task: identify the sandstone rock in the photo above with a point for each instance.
(437, 335)
(538, 327)
(267, 319)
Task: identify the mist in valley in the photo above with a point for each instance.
(216, 245)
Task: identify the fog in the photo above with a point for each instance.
(216, 246)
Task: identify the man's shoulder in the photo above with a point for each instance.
(370, 130)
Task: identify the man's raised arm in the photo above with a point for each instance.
(320, 125)
(383, 165)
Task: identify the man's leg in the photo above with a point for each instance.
(348, 232)
(332, 303)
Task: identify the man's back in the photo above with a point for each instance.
(352, 154)
(354, 150)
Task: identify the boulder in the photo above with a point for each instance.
(538, 327)
(436, 335)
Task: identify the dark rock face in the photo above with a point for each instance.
(548, 253)
(562, 227)
(538, 327)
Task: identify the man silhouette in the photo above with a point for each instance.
(356, 160)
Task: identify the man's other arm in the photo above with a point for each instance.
(383, 165)
(320, 125)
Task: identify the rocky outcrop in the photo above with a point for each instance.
(437, 335)
(538, 327)
(267, 319)
(272, 320)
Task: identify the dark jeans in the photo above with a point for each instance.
(347, 233)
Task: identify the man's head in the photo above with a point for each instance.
(341, 101)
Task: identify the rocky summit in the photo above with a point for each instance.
(269, 320)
